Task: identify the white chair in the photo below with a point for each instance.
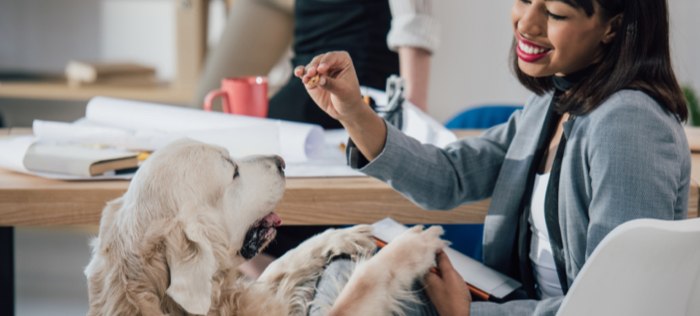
(643, 267)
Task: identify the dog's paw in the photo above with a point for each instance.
(415, 249)
(356, 241)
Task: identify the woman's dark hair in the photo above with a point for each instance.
(639, 58)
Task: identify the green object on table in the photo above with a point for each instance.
(693, 105)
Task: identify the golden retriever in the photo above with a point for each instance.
(172, 244)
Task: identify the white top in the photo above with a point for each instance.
(544, 268)
(413, 24)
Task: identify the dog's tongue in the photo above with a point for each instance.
(272, 219)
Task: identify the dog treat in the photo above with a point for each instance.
(313, 82)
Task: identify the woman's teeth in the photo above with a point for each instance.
(531, 49)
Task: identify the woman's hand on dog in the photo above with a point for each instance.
(331, 81)
(447, 289)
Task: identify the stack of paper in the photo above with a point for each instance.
(148, 126)
(142, 126)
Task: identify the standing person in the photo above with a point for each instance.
(600, 142)
(363, 28)
(384, 36)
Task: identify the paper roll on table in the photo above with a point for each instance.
(149, 126)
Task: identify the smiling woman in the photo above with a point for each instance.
(559, 37)
(554, 37)
(600, 143)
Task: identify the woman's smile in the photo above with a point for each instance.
(529, 51)
(554, 37)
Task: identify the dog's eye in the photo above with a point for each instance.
(235, 173)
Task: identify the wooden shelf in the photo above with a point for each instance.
(58, 90)
(191, 49)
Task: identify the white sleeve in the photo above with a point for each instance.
(413, 24)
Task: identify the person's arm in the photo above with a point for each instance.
(415, 70)
(332, 83)
(414, 35)
(241, 52)
(432, 177)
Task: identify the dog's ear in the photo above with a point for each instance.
(192, 265)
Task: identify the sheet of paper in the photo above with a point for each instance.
(265, 141)
(13, 149)
(417, 123)
(331, 161)
(308, 150)
(472, 271)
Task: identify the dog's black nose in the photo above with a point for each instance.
(280, 163)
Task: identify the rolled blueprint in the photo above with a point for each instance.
(149, 126)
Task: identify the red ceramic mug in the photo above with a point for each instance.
(241, 95)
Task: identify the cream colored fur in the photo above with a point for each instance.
(170, 245)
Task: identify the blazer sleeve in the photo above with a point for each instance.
(413, 24)
(437, 178)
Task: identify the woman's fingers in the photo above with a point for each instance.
(331, 81)
(325, 65)
(334, 64)
(443, 262)
(432, 278)
(299, 71)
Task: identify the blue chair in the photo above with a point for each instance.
(482, 116)
(467, 238)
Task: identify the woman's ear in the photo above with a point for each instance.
(613, 26)
(192, 265)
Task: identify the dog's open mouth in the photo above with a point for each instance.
(260, 235)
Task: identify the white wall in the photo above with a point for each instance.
(43, 35)
(470, 67)
(685, 41)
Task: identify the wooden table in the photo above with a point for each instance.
(31, 201)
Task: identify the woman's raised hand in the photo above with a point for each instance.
(331, 81)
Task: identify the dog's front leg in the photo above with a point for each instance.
(313, 254)
(294, 274)
(378, 285)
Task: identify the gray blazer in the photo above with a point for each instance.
(627, 159)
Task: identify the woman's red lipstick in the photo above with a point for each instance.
(529, 51)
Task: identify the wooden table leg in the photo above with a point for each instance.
(7, 271)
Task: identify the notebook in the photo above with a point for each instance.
(78, 160)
